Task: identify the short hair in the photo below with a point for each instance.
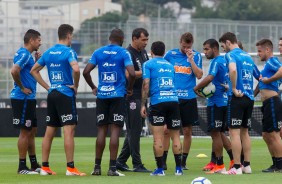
(240, 44)
(280, 38)
(31, 34)
(158, 48)
(138, 31)
(228, 36)
(187, 38)
(64, 30)
(265, 43)
(116, 35)
(212, 42)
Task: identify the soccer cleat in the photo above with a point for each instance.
(217, 169)
(74, 172)
(231, 164)
(271, 169)
(184, 167)
(141, 168)
(97, 170)
(233, 171)
(114, 173)
(247, 169)
(37, 168)
(46, 171)
(122, 166)
(158, 172)
(178, 171)
(209, 166)
(26, 171)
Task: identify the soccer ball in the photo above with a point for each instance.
(201, 180)
(208, 91)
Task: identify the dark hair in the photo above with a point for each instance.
(187, 38)
(240, 44)
(212, 42)
(116, 35)
(138, 31)
(280, 38)
(265, 43)
(64, 30)
(31, 34)
(228, 36)
(158, 48)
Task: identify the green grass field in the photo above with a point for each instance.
(84, 159)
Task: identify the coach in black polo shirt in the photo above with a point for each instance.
(134, 121)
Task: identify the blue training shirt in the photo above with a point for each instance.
(218, 69)
(271, 66)
(245, 70)
(24, 59)
(185, 79)
(161, 75)
(58, 59)
(112, 61)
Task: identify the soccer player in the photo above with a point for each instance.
(63, 72)
(134, 121)
(23, 101)
(240, 101)
(217, 104)
(186, 71)
(158, 83)
(112, 61)
(272, 105)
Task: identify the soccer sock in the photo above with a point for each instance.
(159, 161)
(229, 152)
(236, 166)
(177, 158)
(45, 164)
(70, 164)
(213, 157)
(184, 158)
(98, 161)
(274, 161)
(33, 161)
(113, 165)
(219, 160)
(279, 163)
(165, 156)
(242, 158)
(22, 164)
(246, 164)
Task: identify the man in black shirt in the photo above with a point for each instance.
(134, 121)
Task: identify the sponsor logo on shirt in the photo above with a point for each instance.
(57, 76)
(107, 88)
(57, 52)
(183, 69)
(109, 52)
(118, 117)
(66, 117)
(109, 76)
(247, 64)
(247, 87)
(55, 65)
(106, 64)
(164, 70)
(166, 93)
(246, 75)
(165, 82)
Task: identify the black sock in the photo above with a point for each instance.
(22, 164)
(184, 158)
(98, 161)
(159, 161)
(236, 166)
(70, 164)
(230, 154)
(213, 157)
(246, 164)
(279, 163)
(219, 160)
(274, 161)
(33, 161)
(177, 158)
(165, 156)
(45, 164)
(242, 158)
(113, 165)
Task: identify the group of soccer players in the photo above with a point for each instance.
(169, 84)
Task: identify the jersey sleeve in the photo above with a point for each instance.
(22, 59)
(41, 60)
(72, 56)
(127, 58)
(198, 59)
(93, 60)
(167, 56)
(274, 64)
(146, 70)
(256, 72)
(230, 58)
(213, 68)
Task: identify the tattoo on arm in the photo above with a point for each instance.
(145, 91)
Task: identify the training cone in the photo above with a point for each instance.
(201, 155)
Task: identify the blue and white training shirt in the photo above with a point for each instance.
(24, 59)
(185, 79)
(58, 59)
(161, 75)
(112, 61)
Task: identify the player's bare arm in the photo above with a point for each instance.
(145, 92)
(86, 74)
(276, 76)
(35, 73)
(131, 79)
(76, 75)
(15, 72)
(233, 79)
(196, 70)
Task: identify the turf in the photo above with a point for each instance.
(84, 159)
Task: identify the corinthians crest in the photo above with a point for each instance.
(132, 105)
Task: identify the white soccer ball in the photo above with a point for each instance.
(201, 180)
(208, 91)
